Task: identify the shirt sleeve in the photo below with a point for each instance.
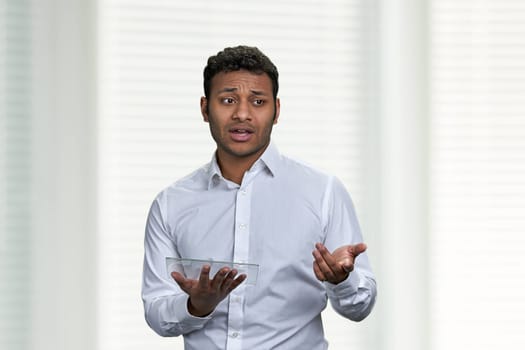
(354, 297)
(165, 304)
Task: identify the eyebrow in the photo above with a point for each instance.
(255, 92)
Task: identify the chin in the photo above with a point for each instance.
(244, 152)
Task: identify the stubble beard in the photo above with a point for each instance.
(223, 145)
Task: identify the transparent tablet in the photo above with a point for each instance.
(191, 268)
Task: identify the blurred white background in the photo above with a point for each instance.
(417, 105)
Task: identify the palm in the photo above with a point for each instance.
(205, 293)
(345, 255)
(335, 267)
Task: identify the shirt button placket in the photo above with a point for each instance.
(240, 254)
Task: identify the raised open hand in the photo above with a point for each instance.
(205, 293)
(335, 267)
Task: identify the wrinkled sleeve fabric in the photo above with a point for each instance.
(355, 297)
(165, 304)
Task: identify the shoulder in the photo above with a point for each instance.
(300, 170)
(308, 177)
(196, 181)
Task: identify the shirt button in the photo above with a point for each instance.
(243, 192)
(235, 334)
(242, 226)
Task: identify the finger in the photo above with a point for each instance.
(358, 249)
(183, 283)
(328, 258)
(329, 261)
(234, 283)
(354, 251)
(324, 267)
(237, 281)
(219, 277)
(228, 280)
(178, 277)
(318, 273)
(348, 265)
(204, 278)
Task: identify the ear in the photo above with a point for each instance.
(277, 110)
(204, 108)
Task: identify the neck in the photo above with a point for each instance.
(233, 168)
(234, 172)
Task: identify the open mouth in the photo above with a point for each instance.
(241, 131)
(241, 134)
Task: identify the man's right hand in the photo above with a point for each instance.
(206, 294)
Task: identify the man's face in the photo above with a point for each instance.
(241, 112)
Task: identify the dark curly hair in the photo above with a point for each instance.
(240, 57)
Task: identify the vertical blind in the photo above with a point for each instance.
(15, 167)
(151, 133)
(150, 79)
(478, 169)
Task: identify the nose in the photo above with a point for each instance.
(242, 112)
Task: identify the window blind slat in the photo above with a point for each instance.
(152, 57)
(477, 186)
(15, 157)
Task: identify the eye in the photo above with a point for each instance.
(228, 100)
(258, 102)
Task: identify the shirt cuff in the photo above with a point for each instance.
(183, 316)
(347, 287)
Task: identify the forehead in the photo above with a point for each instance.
(241, 80)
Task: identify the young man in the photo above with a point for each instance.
(251, 204)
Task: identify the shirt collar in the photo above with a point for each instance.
(268, 160)
(214, 172)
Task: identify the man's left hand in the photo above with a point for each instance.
(335, 267)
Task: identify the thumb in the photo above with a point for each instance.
(348, 265)
(181, 281)
(358, 249)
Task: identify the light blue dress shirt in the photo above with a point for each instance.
(274, 218)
